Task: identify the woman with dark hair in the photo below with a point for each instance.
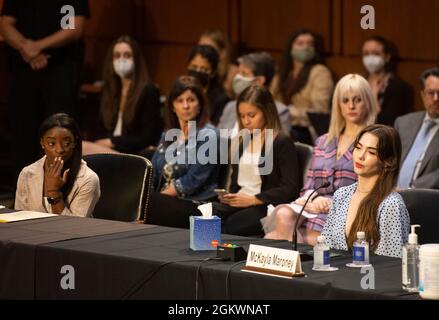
(371, 205)
(60, 182)
(303, 81)
(202, 64)
(393, 95)
(226, 69)
(130, 104)
(264, 165)
(180, 179)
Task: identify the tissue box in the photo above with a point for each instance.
(205, 232)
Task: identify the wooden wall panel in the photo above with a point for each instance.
(267, 24)
(412, 25)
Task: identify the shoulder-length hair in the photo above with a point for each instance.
(182, 84)
(389, 155)
(260, 97)
(288, 88)
(356, 83)
(112, 89)
(63, 120)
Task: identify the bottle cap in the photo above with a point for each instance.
(413, 237)
(321, 239)
(360, 235)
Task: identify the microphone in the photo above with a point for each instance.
(294, 239)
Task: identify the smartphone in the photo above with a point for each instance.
(220, 192)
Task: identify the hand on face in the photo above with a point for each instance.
(52, 174)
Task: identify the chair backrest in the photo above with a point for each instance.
(304, 153)
(125, 182)
(422, 205)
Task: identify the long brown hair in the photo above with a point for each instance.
(389, 154)
(182, 84)
(111, 92)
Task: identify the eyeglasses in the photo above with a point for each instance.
(431, 93)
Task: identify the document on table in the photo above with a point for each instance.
(24, 215)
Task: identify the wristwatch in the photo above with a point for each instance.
(53, 201)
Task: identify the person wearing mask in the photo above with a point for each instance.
(303, 82)
(353, 108)
(130, 103)
(180, 182)
(60, 182)
(226, 69)
(254, 68)
(371, 205)
(419, 133)
(202, 64)
(394, 96)
(266, 169)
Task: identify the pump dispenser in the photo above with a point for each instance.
(410, 262)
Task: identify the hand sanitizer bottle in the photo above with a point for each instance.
(360, 254)
(410, 262)
(321, 254)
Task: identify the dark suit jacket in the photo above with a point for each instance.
(282, 185)
(408, 127)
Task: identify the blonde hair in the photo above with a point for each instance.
(356, 83)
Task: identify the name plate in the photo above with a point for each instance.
(273, 261)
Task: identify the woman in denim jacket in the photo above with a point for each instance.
(185, 169)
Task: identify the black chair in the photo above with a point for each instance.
(304, 153)
(125, 182)
(422, 205)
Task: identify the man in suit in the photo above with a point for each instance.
(419, 133)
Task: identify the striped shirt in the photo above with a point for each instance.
(326, 168)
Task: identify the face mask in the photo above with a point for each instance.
(200, 76)
(123, 67)
(240, 83)
(303, 54)
(373, 63)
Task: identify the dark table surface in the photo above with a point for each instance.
(128, 261)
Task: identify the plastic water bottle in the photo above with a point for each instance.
(321, 254)
(360, 254)
(410, 262)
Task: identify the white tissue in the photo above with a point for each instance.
(206, 210)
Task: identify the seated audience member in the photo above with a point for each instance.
(180, 181)
(130, 103)
(303, 82)
(419, 132)
(267, 171)
(371, 205)
(60, 182)
(394, 96)
(255, 68)
(226, 69)
(203, 63)
(353, 108)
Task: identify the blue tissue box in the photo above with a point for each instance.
(205, 232)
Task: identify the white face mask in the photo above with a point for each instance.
(123, 67)
(240, 83)
(373, 63)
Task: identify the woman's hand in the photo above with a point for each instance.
(319, 205)
(53, 180)
(170, 191)
(240, 200)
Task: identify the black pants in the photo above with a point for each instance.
(170, 211)
(34, 96)
(240, 221)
